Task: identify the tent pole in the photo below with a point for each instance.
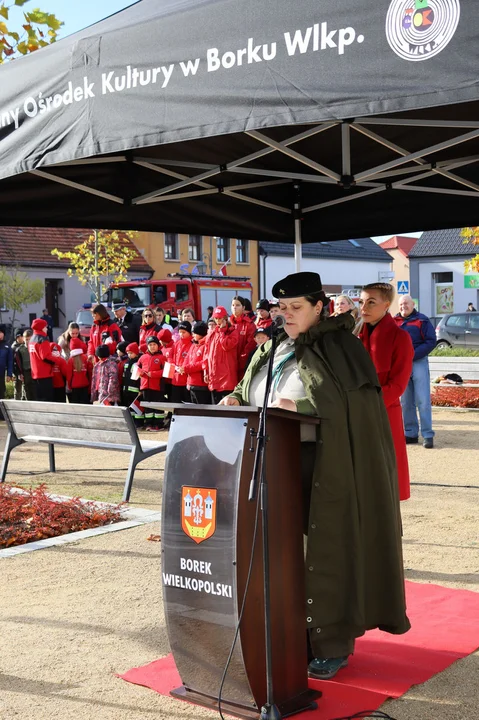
(297, 228)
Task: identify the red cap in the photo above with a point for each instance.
(39, 325)
(133, 348)
(77, 344)
(165, 335)
(219, 312)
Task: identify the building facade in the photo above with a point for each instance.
(344, 265)
(29, 250)
(399, 248)
(438, 279)
(172, 252)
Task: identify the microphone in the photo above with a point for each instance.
(278, 323)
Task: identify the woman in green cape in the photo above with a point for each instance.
(354, 569)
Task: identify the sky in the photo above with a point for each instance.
(80, 13)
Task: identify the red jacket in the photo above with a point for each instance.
(147, 331)
(105, 332)
(152, 364)
(194, 364)
(79, 378)
(392, 353)
(246, 330)
(263, 322)
(60, 368)
(221, 363)
(41, 359)
(180, 353)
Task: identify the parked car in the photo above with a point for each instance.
(458, 330)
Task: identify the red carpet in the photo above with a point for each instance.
(445, 627)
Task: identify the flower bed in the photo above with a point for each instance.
(32, 515)
(455, 396)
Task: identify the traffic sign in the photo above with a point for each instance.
(403, 287)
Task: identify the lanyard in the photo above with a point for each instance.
(278, 369)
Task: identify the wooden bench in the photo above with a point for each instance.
(93, 426)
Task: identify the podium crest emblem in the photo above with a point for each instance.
(198, 512)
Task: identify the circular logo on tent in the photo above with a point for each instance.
(419, 29)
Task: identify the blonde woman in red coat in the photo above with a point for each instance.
(392, 353)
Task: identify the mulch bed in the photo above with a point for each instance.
(30, 515)
(456, 395)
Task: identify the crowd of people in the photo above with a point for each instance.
(133, 359)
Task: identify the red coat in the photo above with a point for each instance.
(246, 344)
(221, 363)
(392, 353)
(104, 332)
(263, 323)
(152, 364)
(194, 364)
(79, 378)
(60, 369)
(147, 331)
(180, 353)
(42, 361)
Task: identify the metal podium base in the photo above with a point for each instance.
(300, 703)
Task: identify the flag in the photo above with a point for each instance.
(136, 407)
(222, 270)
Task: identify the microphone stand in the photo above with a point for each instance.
(270, 710)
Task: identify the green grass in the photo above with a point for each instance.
(455, 352)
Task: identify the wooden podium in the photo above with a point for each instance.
(207, 534)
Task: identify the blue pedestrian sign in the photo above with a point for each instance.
(403, 287)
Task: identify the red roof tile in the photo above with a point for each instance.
(27, 246)
(399, 242)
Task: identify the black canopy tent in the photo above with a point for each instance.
(265, 119)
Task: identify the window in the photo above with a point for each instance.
(194, 250)
(171, 246)
(457, 321)
(474, 322)
(222, 249)
(355, 243)
(444, 277)
(242, 251)
(182, 293)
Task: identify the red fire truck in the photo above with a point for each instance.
(179, 291)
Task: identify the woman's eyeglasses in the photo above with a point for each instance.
(147, 315)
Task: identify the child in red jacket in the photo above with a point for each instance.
(193, 366)
(78, 373)
(59, 374)
(179, 391)
(150, 369)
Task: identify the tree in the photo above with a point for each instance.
(471, 235)
(38, 29)
(101, 259)
(17, 291)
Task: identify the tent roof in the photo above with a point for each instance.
(201, 116)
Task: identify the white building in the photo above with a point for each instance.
(344, 265)
(438, 280)
(29, 249)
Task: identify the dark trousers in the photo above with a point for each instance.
(18, 389)
(153, 416)
(44, 389)
(200, 395)
(2, 386)
(59, 394)
(79, 396)
(29, 392)
(217, 395)
(179, 394)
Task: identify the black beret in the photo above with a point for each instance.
(102, 351)
(297, 285)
